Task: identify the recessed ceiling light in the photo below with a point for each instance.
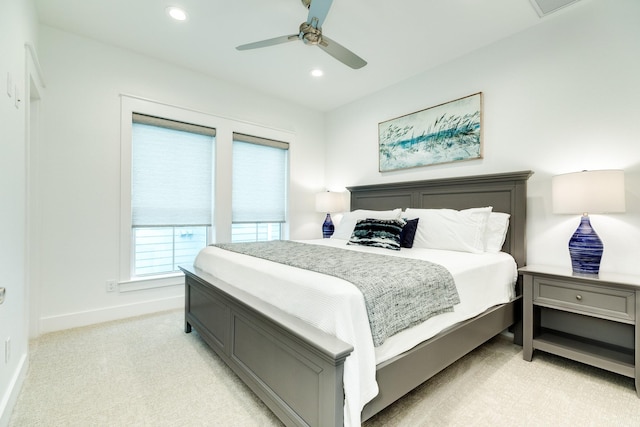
(177, 13)
(317, 73)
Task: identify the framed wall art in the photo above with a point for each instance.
(445, 133)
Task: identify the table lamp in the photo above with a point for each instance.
(328, 202)
(586, 192)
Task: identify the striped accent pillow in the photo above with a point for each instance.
(381, 233)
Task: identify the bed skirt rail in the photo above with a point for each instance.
(294, 368)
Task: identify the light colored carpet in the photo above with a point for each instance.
(147, 372)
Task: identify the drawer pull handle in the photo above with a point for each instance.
(579, 297)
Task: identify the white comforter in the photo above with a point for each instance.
(337, 307)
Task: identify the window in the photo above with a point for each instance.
(171, 193)
(259, 188)
(183, 187)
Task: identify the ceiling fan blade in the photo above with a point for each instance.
(318, 10)
(269, 42)
(341, 53)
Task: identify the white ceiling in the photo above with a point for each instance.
(398, 38)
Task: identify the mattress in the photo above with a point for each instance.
(337, 307)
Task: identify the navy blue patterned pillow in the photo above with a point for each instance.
(381, 233)
(408, 233)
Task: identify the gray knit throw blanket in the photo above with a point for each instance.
(398, 292)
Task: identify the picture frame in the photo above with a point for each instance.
(444, 133)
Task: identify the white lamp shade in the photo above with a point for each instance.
(599, 191)
(328, 202)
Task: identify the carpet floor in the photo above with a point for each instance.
(146, 371)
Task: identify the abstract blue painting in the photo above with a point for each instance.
(444, 133)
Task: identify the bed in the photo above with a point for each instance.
(266, 346)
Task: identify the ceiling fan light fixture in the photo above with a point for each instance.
(177, 13)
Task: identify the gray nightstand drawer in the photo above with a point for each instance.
(580, 298)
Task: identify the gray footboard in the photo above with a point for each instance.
(294, 368)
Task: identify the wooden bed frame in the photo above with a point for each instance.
(296, 369)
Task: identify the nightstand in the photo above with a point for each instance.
(588, 319)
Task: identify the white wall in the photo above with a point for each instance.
(18, 25)
(79, 179)
(560, 97)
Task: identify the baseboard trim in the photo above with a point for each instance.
(91, 317)
(10, 397)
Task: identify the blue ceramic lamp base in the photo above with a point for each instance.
(585, 249)
(327, 227)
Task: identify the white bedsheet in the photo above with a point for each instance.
(337, 307)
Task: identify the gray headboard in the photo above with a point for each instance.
(506, 192)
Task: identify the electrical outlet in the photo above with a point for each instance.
(112, 286)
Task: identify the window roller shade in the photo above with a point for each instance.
(240, 137)
(164, 191)
(172, 124)
(259, 180)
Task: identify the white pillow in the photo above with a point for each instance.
(496, 231)
(349, 219)
(450, 229)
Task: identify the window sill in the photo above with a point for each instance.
(152, 282)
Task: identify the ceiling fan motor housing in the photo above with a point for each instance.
(310, 34)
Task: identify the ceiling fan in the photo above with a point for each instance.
(310, 32)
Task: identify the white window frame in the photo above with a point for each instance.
(220, 231)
